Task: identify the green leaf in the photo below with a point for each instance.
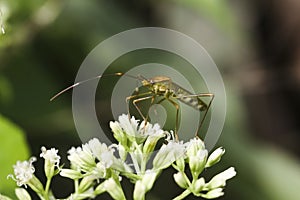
(13, 147)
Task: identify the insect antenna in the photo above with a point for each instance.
(90, 79)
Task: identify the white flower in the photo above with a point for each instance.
(180, 179)
(220, 179)
(139, 190)
(71, 173)
(167, 154)
(114, 189)
(129, 125)
(150, 130)
(198, 185)
(197, 162)
(215, 157)
(21, 193)
(23, 171)
(194, 146)
(212, 194)
(196, 156)
(50, 155)
(82, 158)
(154, 134)
(88, 194)
(103, 153)
(133, 130)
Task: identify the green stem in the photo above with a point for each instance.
(48, 185)
(182, 195)
(76, 185)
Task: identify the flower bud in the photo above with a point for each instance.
(86, 183)
(51, 160)
(220, 179)
(197, 163)
(114, 189)
(36, 185)
(215, 157)
(100, 189)
(180, 163)
(193, 146)
(181, 180)
(151, 141)
(122, 152)
(148, 179)
(198, 185)
(139, 191)
(119, 134)
(21, 193)
(215, 193)
(2, 197)
(167, 154)
(70, 173)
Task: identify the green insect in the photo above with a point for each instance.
(159, 86)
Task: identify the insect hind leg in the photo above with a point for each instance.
(206, 111)
(207, 106)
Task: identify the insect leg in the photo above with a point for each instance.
(206, 111)
(177, 112)
(208, 106)
(136, 101)
(133, 97)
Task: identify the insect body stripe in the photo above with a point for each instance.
(187, 97)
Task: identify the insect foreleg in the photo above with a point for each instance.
(133, 97)
(136, 101)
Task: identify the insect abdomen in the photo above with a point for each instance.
(194, 102)
(188, 98)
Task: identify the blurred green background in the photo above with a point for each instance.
(255, 45)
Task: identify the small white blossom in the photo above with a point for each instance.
(196, 156)
(50, 155)
(194, 146)
(2, 197)
(181, 180)
(220, 179)
(215, 157)
(22, 194)
(167, 154)
(154, 134)
(71, 173)
(150, 130)
(198, 185)
(103, 153)
(133, 130)
(23, 171)
(88, 194)
(129, 126)
(82, 158)
(114, 189)
(149, 178)
(212, 194)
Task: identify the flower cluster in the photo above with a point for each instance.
(143, 151)
(197, 160)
